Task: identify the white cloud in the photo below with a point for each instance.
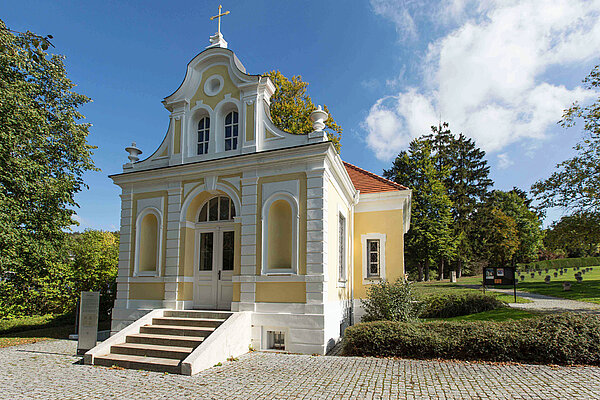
(487, 77)
(504, 161)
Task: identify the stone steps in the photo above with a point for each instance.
(139, 362)
(162, 345)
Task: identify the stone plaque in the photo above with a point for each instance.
(88, 321)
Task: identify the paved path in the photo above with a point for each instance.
(545, 303)
(49, 370)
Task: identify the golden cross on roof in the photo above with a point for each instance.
(219, 18)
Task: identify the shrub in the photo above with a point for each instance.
(391, 302)
(456, 305)
(553, 339)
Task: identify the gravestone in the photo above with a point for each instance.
(579, 278)
(522, 278)
(540, 273)
(546, 270)
(566, 286)
(533, 274)
(560, 272)
(88, 321)
(555, 274)
(452, 276)
(547, 279)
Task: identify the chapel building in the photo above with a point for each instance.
(232, 213)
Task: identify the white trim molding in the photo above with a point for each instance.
(138, 231)
(292, 201)
(365, 264)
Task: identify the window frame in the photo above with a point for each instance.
(206, 204)
(342, 248)
(367, 277)
(206, 131)
(231, 125)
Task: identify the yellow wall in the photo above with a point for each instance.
(387, 222)
(147, 291)
(228, 87)
(148, 243)
(280, 235)
(249, 122)
(280, 292)
(177, 137)
(185, 291)
(236, 292)
(334, 204)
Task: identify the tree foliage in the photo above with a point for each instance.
(43, 155)
(291, 107)
(430, 236)
(575, 185)
(576, 235)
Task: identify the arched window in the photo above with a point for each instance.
(231, 131)
(203, 135)
(148, 243)
(280, 237)
(219, 208)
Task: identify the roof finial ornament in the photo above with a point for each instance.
(217, 39)
(134, 152)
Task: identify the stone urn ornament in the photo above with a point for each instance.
(566, 286)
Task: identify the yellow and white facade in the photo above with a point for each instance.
(232, 213)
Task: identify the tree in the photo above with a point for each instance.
(575, 185)
(43, 155)
(95, 264)
(505, 210)
(467, 183)
(429, 237)
(497, 239)
(576, 235)
(291, 107)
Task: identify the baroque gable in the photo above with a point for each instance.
(219, 111)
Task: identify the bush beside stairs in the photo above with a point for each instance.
(163, 344)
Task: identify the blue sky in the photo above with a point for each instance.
(500, 71)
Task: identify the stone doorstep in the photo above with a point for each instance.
(165, 340)
(198, 314)
(140, 362)
(177, 330)
(152, 350)
(180, 321)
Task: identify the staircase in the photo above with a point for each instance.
(162, 345)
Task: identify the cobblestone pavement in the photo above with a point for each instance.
(50, 370)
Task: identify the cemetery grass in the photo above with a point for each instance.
(588, 290)
(444, 288)
(501, 314)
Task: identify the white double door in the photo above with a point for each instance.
(215, 256)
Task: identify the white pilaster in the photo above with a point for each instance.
(172, 212)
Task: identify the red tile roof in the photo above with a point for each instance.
(368, 182)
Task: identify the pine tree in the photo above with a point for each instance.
(430, 236)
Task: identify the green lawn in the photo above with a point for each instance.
(588, 290)
(441, 288)
(501, 314)
(25, 330)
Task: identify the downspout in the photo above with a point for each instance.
(354, 203)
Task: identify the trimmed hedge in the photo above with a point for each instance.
(455, 305)
(563, 263)
(553, 339)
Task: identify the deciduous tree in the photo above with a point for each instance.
(291, 107)
(43, 156)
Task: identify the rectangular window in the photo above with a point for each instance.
(342, 248)
(373, 258)
(276, 340)
(206, 251)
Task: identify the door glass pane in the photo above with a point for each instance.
(206, 251)
(213, 212)
(228, 244)
(224, 208)
(202, 217)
